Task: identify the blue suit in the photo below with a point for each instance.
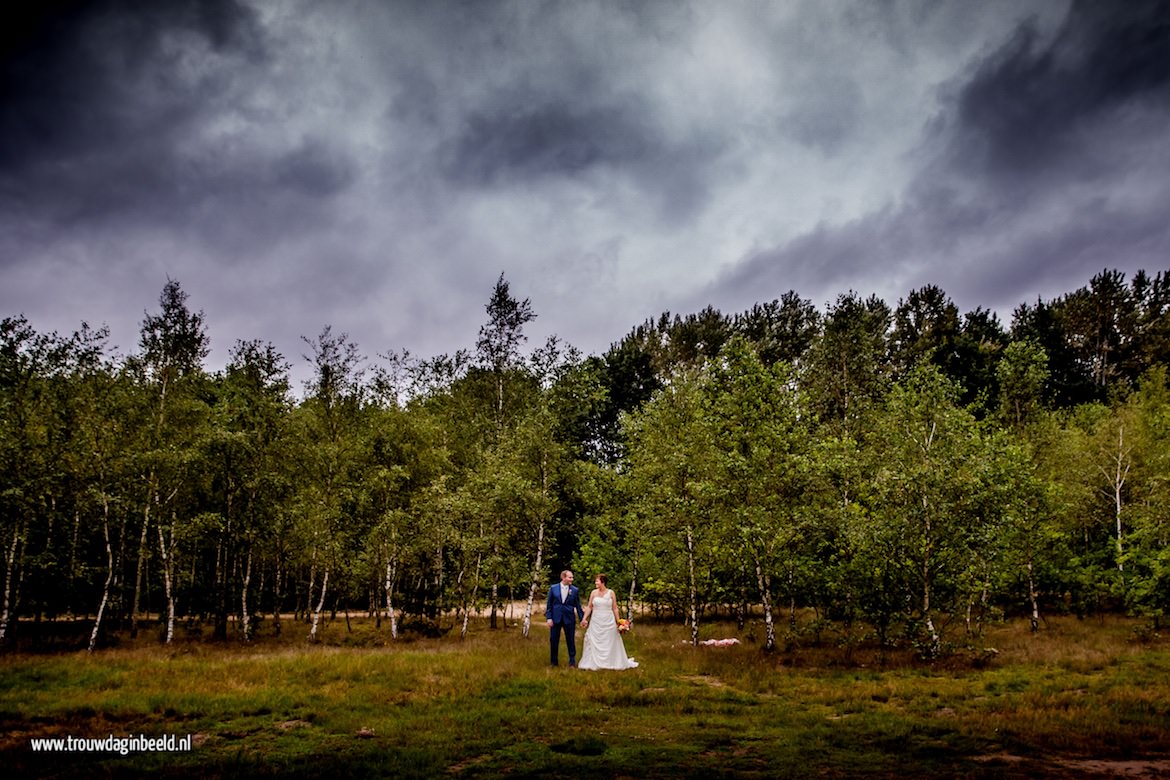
(564, 616)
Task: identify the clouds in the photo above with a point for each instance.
(1060, 143)
(375, 165)
(1044, 162)
(1035, 104)
(525, 143)
(86, 94)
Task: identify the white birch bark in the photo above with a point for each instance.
(168, 567)
(277, 598)
(927, 560)
(391, 576)
(101, 611)
(320, 606)
(142, 542)
(245, 617)
(535, 582)
(10, 566)
(631, 598)
(1034, 598)
(467, 602)
(765, 585)
(1120, 466)
(692, 587)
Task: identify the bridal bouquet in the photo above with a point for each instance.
(624, 626)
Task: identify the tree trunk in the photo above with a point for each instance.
(692, 587)
(245, 617)
(277, 597)
(431, 605)
(631, 598)
(1121, 471)
(467, 602)
(312, 585)
(927, 560)
(168, 567)
(495, 593)
(1034, 598)
(536, 566)
(460, 601)
(73, 560)
(141, 563)
(221, 595)
(765, 584)
(10, 567)
(391, 576)
(927, 620)
(226, 568)
(791, 600)
(101, 610)
(320, 607)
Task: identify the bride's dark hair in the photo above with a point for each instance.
(602, 578)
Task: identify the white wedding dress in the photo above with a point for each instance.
(603, 643)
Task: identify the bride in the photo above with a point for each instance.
(603, 643)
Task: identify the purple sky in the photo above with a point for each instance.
(375, 166)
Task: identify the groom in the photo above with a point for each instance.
(562, 610)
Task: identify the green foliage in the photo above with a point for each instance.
(904, 472)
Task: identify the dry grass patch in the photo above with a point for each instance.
(1075, 692)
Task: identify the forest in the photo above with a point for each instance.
(904, 474)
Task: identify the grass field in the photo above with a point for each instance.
(1081, 698)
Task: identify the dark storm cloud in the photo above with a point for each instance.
(314, 169)
(557, 100)
(825, 261)
(1034, 105)
(75, 75)
(1064, 146)
(552, 140)
(374, 165)
(109, 117)
(1048, 163)
(564, 140)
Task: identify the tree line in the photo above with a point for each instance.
(904, 472)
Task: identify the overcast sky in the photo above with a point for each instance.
(375, 166)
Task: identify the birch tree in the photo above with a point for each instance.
(330, 426)
(249, 415)
(927, 494)
(173, 345)
(498, 354)
(102, 441)
(669, 454)
(1148, 554)
(500, 339)
(27, 359)
(759, 481)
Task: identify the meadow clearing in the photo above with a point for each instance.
(1081, 698)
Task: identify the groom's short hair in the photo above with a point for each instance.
(566, 571)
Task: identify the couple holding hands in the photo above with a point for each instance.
(603, 641)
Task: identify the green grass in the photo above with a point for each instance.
(360, 705)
